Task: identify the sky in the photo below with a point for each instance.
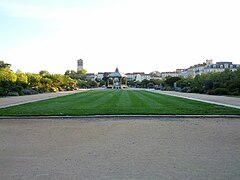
(133, 35)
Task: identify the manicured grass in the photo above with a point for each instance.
(117, 102)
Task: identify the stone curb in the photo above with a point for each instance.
(119, 116)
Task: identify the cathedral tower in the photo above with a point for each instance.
(79, 65)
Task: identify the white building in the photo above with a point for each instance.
(138, 76)
(208, 67)
(90, 76)
(171, 74)
(195, 70)
(220, 67)
(101, 75)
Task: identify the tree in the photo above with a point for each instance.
(34, 80)
(131, 83)
(91, 84)
(8, 84)
(138, 84)
(169, 81)
(102, 83)
(83, 72)
(6, 74)
(46, 84)
(22, 78)
(45, 74)
(144, 83)
(82, 84)
(4, 65)
(70, 73)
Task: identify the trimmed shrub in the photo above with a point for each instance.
(186, 89)
(13, 94)
(29, 92)
(3, 91)
(218, 91)
(222, 91)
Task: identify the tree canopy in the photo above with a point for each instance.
(4, 65)
(220, 83)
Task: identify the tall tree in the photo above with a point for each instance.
(6, 74)
(45, 74)
(4, 65)
(22, 78)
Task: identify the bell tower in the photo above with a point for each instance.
(79, 65)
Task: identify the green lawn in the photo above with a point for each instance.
(117, 102)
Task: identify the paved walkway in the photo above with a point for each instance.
(17, 100)
(219, 100)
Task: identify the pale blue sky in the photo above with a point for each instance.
(135, 35)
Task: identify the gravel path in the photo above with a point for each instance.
(130, 148)
(16, 100)
(221, 100)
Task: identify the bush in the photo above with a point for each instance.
(186, 89)
(53, 89)
(70, 88)
(29, 92)
(13, 94)
(211, 92)
(235, 93)
(218, 91)
(3, 91)
(16, 88)
(222, 91)
(60, 88)
(169, 88)
(195, 90)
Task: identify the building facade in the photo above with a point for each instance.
(204, 68)
(91, 76)
(220, 67)
(138, 76)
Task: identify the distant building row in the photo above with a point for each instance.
(192, 71)
(203, 68)
(136, 76)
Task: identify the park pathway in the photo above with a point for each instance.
(17, 100)
(219, 100)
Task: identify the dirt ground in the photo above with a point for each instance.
(120, 148)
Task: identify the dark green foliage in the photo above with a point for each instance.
(80, 75)
(152, 83)
(8, 88)
(4, 65)
(219, 91)
(92, 84)
(169, 81)
(224, 83)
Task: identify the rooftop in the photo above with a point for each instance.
(116, 74)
